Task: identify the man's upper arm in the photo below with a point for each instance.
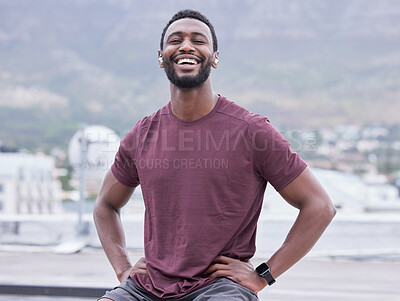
(113, 193)
(305, 190)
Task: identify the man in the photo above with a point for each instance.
(203, 164)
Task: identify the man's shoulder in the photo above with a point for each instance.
(238, 112)
(146, 121)
(155, 117)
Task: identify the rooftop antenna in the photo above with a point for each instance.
(82, 227)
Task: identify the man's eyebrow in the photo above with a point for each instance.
(199, 34)
(193, 34)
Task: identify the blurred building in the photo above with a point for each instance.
(27, 184)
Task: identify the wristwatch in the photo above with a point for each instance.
(264, 271)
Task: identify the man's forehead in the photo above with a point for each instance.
(188, 25)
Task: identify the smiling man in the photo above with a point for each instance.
(203, 163)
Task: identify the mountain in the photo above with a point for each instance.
(303, 64)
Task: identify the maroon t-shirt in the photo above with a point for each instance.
(203, 184)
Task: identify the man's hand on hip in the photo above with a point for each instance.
(241, 272)
(138, 268)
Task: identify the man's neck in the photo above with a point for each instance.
(193, 104)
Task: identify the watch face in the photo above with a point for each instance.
(264, 271)
(262, 268)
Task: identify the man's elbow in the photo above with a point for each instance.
(99, 209)
(328, 210)
(95, 212)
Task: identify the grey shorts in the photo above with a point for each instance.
(221, 290)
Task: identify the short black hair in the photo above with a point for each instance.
(188, 13)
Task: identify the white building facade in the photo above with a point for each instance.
(27, 184)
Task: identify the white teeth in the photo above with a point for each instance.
(187, 61)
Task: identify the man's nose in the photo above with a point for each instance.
(186, 46)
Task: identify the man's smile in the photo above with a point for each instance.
(186, 61)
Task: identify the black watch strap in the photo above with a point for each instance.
(264, 271)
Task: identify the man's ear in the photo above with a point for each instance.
(215, 60)
(160, 59)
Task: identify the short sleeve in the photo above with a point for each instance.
(273, 158)
(124, 166)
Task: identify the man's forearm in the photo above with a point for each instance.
(305, 232)
(112, 237)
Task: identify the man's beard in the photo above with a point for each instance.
(187, 81)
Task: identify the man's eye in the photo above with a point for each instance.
(199, 41)
(175, 41)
